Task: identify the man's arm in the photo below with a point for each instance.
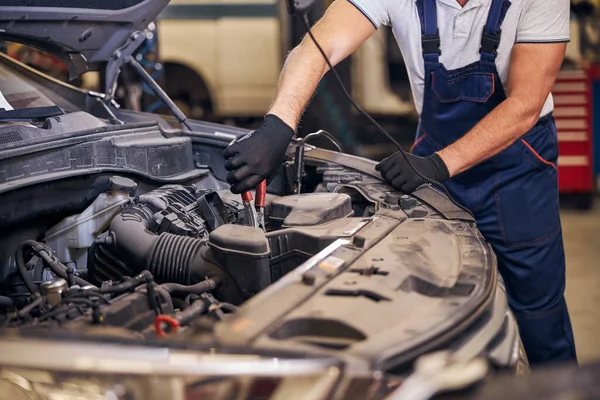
(258, 155)
(533, 70)
(341, 30)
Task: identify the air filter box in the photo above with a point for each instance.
(243, 252)
(310, 209)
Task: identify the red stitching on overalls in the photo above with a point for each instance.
(417, 142)
(535, 153)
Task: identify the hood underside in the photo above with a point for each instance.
(82, 33)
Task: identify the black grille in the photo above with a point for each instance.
(10, 136)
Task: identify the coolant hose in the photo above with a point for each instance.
(189, 314)
(129, 284)
(198, 288)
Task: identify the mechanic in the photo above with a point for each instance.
(481, 72)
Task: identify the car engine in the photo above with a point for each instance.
(154, 262)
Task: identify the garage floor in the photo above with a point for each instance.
(582, 244)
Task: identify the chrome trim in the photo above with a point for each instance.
(138, 360)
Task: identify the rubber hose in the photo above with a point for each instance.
(60, 269)
(196, 309)
(143, 277)
(22, 268)
(27, 309)
(166, 296)
(172, 258)
(198, 288)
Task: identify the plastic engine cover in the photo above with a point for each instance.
(311, 208)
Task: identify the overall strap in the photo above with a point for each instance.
(492, 30)
(430, 35)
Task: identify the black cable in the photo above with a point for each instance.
(325, 134)
(372, 120)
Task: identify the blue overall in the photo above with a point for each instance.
(513, 195)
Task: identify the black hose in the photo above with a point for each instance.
(6, 302)
(143, 277)
(28, 308)
(199, 288)
(22, 268)
(59, 268)
(79, 300)
(58, 311)
(166, 296)
(87, 294)
(189, 314)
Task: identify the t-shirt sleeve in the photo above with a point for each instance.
(544, 21)
(375, 10)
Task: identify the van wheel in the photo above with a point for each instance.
(189, 91)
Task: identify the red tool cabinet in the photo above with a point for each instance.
(573, 113)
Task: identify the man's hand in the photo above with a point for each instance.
(258, 155)
(397, 172)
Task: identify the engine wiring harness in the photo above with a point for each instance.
(68, 298)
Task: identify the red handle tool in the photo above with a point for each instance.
(247, 197)
(261, 194)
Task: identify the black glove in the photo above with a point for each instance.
(396, 171)
(258, 155)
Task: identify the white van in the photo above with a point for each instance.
(223, 57)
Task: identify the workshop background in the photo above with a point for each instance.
(220, 61)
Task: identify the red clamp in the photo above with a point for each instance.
(167, 319)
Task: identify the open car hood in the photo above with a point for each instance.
(82, 33)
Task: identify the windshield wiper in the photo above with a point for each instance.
(28, 114)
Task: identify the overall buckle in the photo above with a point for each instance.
(431, 44)
(490, 42)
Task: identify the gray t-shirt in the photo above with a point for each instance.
(527, 21)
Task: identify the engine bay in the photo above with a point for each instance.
(147, 263)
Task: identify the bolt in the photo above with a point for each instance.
(358, 241)
(309, 278)
(86, 35)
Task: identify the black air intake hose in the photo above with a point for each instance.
(130, 247)
(173, 257)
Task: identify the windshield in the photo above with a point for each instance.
(35, 95)
(17, 92)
